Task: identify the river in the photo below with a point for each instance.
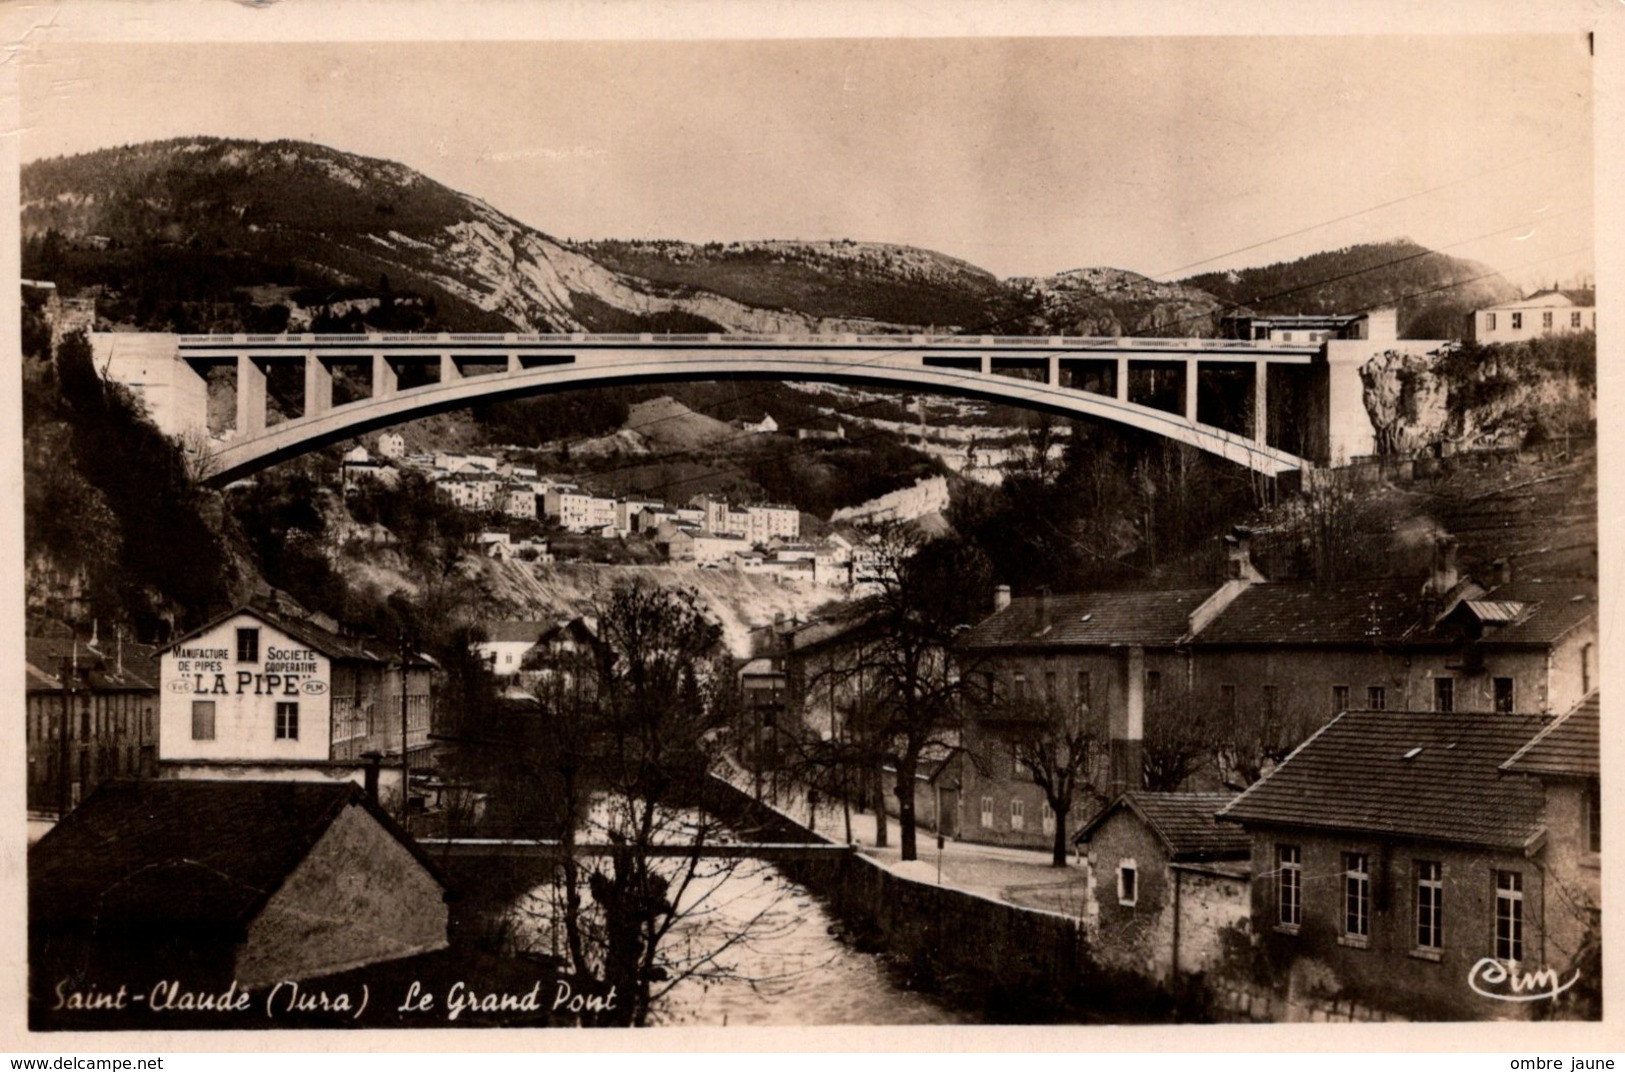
(754, 948)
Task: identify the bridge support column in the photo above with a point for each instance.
(1122, 379)
(384, 382)
(514, 364)
(318, 386)
(1053, 378)
(448, 369)
(250, 396)
(1192, 368)
(1261, 413)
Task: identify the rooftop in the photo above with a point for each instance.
(1415, 774)
(1089, 619)
(1568, 748)
(1183, 821)
(1359, 612)
(182, 853)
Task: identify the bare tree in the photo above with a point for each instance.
(1060, 751)
(922, 593)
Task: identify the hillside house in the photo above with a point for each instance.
(210, 882)
(505, 644)
(1548, 312)
(261, 692)
(1165, 881)
(111, 725)
(392, 445)
(516, 500)
(1377, 325)
(1396, 850)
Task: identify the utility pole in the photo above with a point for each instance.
(406, 762)
(64, 797)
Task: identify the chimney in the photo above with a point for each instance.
(1001, 598)
(1128, 723)
(370, 775)
(1043, 606)
(1502, 568)
(1238, 553)
(1444, 565)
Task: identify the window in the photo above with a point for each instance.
(1517, 321)
(1153, 686)
(1356, 895)
(1508, 915)
(1052, 691)
(1047, 818)
(1128, 883)
(1503, 694)
(1444, 694)
(248, 645)
(1227, 700)
(1018, 815)
(1594, 817)
(1489, 321)
(1376, 698)
(1015, 759)
(987, 811)
(1019, 685)
(1429, 904)
(287, 722)
(1340, 699)
(1288, 886)
(1270, 697)
(1083, 688)
(1546, 321)
(1574, 320)
(202, 720)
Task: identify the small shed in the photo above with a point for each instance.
(213, 881)
(1165, 881)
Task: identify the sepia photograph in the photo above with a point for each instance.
(659, 529)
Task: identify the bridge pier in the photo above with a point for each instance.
(384, 381)
(450, 371)
(1192, 374)
(1122, 379)
(250, 396)
(318, 385)
(1261, 413)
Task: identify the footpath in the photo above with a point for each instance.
(1023, 877)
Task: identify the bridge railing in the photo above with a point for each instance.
(1061, 343)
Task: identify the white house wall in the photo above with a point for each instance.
(245, 695)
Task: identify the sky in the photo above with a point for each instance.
(1025, 156)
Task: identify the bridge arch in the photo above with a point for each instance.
(518, 367)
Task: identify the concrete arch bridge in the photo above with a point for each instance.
(1272, 407)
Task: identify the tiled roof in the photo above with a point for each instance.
(517, 632)
(1090, 619)
(182, 853)
(1567, 748)
(1556, 608)
(1419, 774)
(100, 666)
(1360, 612)
(307, 632)
(1185, 823)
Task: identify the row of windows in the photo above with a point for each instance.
(1376, 696)
(1428, 882)
(1018, 815)
(1546, 320)
(287, 721)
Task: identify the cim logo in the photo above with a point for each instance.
(314, 686)
(1499, 981)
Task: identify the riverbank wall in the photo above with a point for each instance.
(1008, 963)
